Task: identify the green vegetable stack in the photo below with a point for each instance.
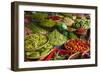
(56, 38)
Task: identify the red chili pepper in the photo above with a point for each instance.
(51, 54)
(54, 17)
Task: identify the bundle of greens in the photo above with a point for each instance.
(56, 38)
(43, 19)
(39, 16)
(36, 29)
(47, 23)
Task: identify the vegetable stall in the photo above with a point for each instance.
(56, 36)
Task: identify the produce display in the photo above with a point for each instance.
(56, 36)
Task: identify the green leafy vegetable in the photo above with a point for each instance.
(47, 23)
(36, 29)
(39, 16)
(56, 38)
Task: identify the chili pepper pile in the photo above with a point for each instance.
(57, 54)
(77, 45)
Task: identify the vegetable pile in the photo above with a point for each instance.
(77, 45)
(56, 36)
(34, 41)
